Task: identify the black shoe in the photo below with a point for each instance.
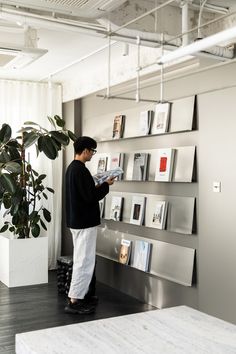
(80, 307)
(91, 300)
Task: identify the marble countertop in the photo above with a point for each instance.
(176, 330)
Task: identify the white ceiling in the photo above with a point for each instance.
(66, 47)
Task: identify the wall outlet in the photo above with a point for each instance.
(216, 187)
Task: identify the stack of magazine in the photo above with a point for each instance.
(99, 178)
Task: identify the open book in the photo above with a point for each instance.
(99, 178)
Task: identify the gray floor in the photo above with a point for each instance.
(30, 308)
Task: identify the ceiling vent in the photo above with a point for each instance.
(81, 8)
(15, 57)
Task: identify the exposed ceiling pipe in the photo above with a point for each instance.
(212, 8)
(202, 4)
(217, 52)
(185, 27)
(98, 29)
(51, 22)
(125, 35)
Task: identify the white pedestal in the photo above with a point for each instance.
(23, 261)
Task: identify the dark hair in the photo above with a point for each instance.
(84, 142)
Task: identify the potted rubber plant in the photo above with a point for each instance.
(23, 191)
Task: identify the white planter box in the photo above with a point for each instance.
(23, 261)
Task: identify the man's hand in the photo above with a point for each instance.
(110, 180)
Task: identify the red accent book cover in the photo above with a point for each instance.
(163, 164)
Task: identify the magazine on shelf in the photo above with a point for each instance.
(116, 160)
(145, 121)
(99, 178)
(125, 251)
(140, 166)
(118, 126)
(102, 207)
(159, 214)
(141, 255)
(165, 163)
(137, 210)
(102, 164)
(116, 208)
(161, 118)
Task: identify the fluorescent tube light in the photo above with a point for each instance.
(199, 45)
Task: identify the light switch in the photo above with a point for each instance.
(217, 187)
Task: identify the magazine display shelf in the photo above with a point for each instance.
(183, 169)
(182, 119)
(109, 140)
(167, 261)
(180, 210)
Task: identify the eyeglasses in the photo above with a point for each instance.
(93, 151)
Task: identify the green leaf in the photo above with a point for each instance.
(60, 137)
(52, 121)
(7, 204)
(33, 215)
(13, 143)
(30, 139)
(45, 196)
(57, 144)
(40, 143)
(47, 215)
(35, 173)
(43, 225)
(41, 177)
(35, 230)
(47, 145)
(25, 129)
(4, 228)
(50, 190)
(14, 209)
(71, 135)
(13, 167)
(4, 157)
(59, 121)
(5, 133)
(8, 183)
(13, 152)
(30, 123)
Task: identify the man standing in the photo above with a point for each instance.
(83, 216)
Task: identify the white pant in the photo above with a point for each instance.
(84, 242)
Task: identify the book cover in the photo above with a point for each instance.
(118, 126)
(102, 164)
(125, 251)
(145, 121)
(116, 160)
(101, 177)
(141, 255)
(159, 214)
(165, 163)
(140, 166)
(116, 208)
(161, 118)
(137, 210)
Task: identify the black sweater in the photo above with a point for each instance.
(82, 207)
